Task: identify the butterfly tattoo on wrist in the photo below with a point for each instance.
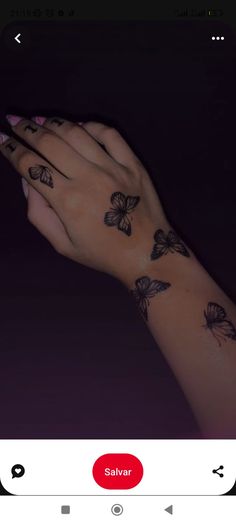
(122, 206)
(145, 288)
(167, 243)
(218, 323)
(41, 173)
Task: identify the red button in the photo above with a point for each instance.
(117, 471)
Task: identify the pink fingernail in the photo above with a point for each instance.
(25, 187)
(39, 120)
(13, 119)
(3, 138)
(80, 123)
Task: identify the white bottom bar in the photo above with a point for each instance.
(136, 510)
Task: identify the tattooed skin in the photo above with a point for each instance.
(41, 173)
(218, 323)
(57, 121)
(31, 128)
(11, 147)
(169, 243)
(146, 289)
(118, 215)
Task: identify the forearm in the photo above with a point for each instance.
(203, 359)
(97, 206)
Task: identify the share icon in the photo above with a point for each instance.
(217, 471)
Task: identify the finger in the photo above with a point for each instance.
(39, 173)
(60, 154)
(44, 218)
(78, 138)
(115, 145)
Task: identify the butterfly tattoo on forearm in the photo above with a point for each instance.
(122, 206)
(218, 323)
(169, 243)
(41, 173)
(145, 288)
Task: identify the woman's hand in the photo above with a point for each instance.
(88, 193)
(97, 206)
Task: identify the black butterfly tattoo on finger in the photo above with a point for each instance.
(168, 243)
(146, 289)
(41, 173)
(218, 323)
(121, 207)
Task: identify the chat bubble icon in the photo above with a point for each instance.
(17, 471)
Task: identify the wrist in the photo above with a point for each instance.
(137, 262)
(172, 266)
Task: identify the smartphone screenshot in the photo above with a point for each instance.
(117, 265)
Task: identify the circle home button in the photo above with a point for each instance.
(117, 471)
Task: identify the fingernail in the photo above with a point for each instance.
(39, 120)
(25, 187)
(13, 119)
(3, 138)
(80, 123)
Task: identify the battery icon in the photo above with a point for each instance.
(215, 12)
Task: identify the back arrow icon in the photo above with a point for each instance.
(17, 38)
(170, 510)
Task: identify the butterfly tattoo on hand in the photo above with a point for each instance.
(42, 173)
(169, 243)
(146, 289)
(121, 207)
(218, 323)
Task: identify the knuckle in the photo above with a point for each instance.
(73, 132)
(45, 140)
(110, 133)
(25, 160)
(60, 249)
(136, 168)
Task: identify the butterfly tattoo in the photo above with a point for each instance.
(121, 207)
(42, 173)
(167, 244)
(218, 323)
(146, 289)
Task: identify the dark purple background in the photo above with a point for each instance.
(76, 359)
